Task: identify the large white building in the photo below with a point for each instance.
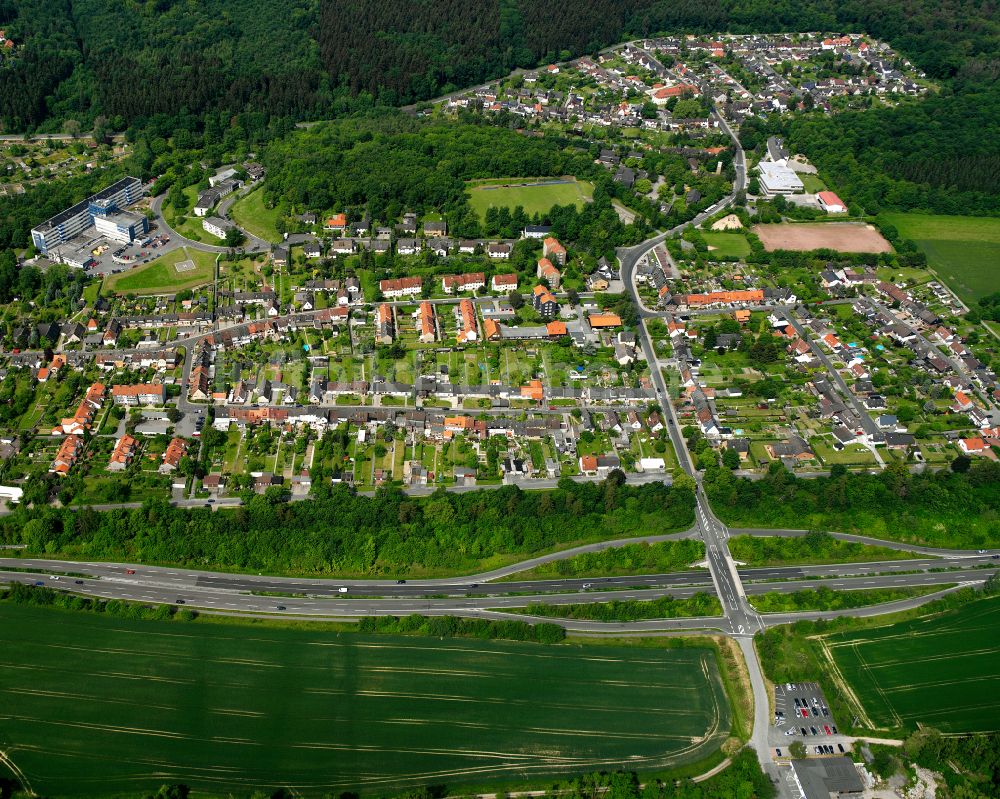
(776, 177)
(78, 218)
(121, 226)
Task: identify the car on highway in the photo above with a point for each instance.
(281, 607)
(78, 582)
(181, 602)
(587, 586)
(53, 576)
(39, 582)
(400, 582)
(342, 590)
(129, 571)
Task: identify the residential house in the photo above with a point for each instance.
(141, 394)
(504, 283)
(124, 452)
(554, 251)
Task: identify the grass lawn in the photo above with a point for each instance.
(95, 705)
(939, 670)
(812, 183)
(780, 551)
(161, 276)
(727, 245)
(251, 215)
(963, 250)
(535, 195)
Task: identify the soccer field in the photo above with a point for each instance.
(941, 671)
(535, 195)
(98, 705)
(181, 269)
(963, 250)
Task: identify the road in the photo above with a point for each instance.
(353, 597)
(867, 423)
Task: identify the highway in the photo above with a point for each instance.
(247, 593)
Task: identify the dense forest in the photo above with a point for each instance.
(308, 58)
(389, 163)
(938, 155)
(943, 508)
(346, 533)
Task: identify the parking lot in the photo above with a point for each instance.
(801, 713)
(118, 257)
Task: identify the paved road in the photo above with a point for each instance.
(867, 423)
(243, 594)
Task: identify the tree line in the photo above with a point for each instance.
(341, 532)
(938, 508)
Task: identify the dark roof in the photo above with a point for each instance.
(822, 778)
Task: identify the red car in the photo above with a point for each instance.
(826, 730)
(129, 571)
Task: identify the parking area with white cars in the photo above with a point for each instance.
(801, 713)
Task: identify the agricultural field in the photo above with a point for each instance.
(181, 269)
(727, 245)
(805, 237)
(250, 214)
(963, 250)
(940, 671)
(536, 196)
(229, 708)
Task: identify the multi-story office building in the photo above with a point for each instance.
(78, 218)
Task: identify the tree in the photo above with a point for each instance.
(797, 749)
(961, 464)
(516, 300)
(730, 458)
(234, 237)
(174, 415)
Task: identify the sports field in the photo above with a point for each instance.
(727, 245)
(942, 670)
(807, 236)
(535, 195)
(99, 705)
(963, 250)
(181, 269)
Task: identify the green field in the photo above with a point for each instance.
(96, 705)
(250, 214)
(727, 245)
(963, 250)
(941, 670)
(162, 277)
(535, 196)
(812, 183)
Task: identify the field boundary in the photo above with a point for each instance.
(838, 679)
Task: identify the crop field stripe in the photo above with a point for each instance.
(229, 708)
(931, 670)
